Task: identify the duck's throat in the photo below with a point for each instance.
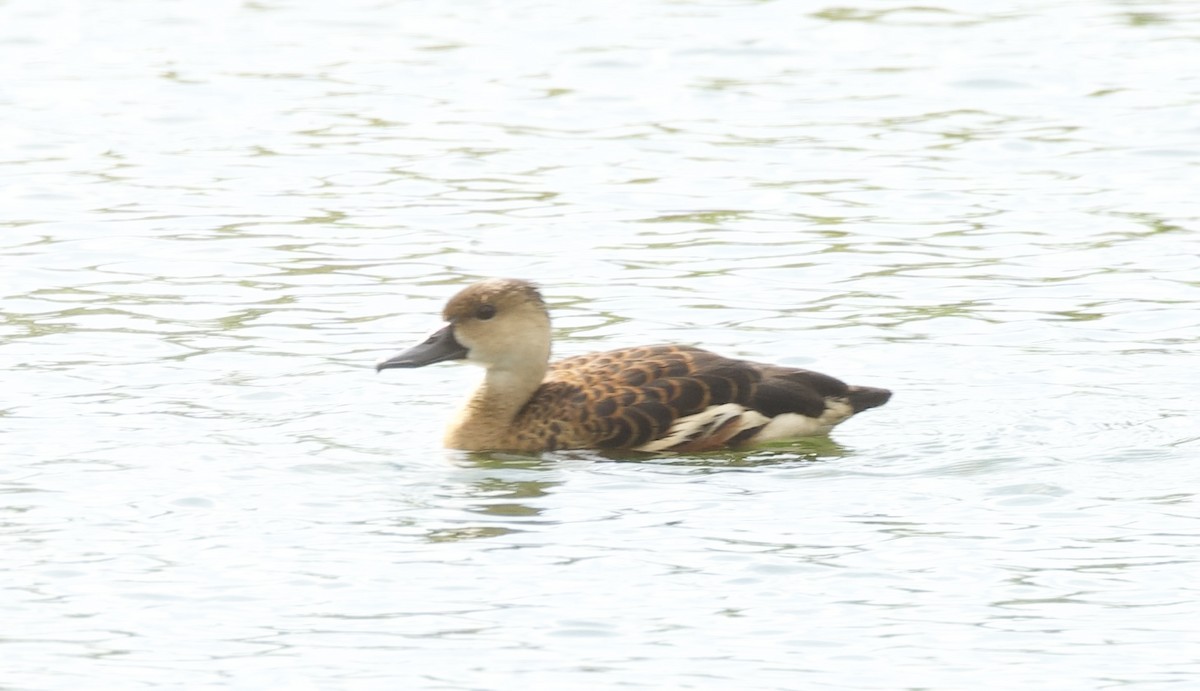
(486, 421)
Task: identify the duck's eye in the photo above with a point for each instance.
(485, 312)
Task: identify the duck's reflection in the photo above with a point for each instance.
(501, 494)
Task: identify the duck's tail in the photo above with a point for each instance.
(866, 397)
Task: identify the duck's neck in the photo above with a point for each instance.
(486, 421)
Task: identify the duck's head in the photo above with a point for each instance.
(499, 323)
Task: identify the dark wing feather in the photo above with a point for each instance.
(788, 390)
(823, 386)
(627, 398)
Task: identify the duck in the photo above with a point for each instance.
(657, 398)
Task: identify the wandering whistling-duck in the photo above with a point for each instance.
(651, 398)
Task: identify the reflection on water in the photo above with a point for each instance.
(219, 215)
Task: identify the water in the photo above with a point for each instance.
(217, 216)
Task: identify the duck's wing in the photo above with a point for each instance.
(678, 398)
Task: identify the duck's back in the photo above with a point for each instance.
(678, 398)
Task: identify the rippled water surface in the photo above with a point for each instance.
(218, 215)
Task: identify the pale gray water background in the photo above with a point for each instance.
(218, 215)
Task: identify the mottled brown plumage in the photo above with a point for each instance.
(653, 398)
